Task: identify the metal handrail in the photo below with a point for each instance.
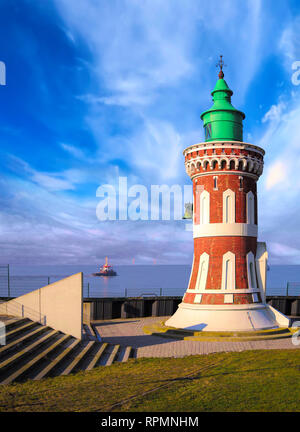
(13, 307)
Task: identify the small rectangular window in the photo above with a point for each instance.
(207, 130)
(216, 183)
(241, 182)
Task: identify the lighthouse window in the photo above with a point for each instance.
(228, 265)
(215, 183)
(228, 271)
(202, 272)
(207, 130)
(251, 271)
(241, 183)
(250, 208)
(252, 275)
(228, 206)
(204, 208)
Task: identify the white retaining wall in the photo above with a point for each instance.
(57, 305)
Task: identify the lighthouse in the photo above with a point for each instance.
(226, 290)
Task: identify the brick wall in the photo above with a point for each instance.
(216, 247)
(224, 182)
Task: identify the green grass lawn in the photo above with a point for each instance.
(262, 380)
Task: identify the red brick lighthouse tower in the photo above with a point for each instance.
(226, 290)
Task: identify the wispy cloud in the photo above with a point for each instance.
(137, 47)
(289, 44)
(276, 175)
(74, 151)
(274, 114)
(54, 181)
(135, 76)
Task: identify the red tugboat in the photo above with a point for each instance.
(106, 270)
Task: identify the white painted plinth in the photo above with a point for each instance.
(226, 317)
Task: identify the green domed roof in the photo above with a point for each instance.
(221, 85)
(222, 121)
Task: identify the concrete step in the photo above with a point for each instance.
(34, 352)
(84, 350)
(14, 323)
(245, 334)
(88, 358)
(44, 372)
(36, 345)
(127, 353)
(121, 354)
(17, 374)
(89, 332)
(209, 338)
(22, 340)
(22, 329)
(113, 355)
(97, 334)
(159, 329)
(94, 333)
(100, 350)
(105, 354)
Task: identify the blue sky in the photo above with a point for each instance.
(101, 89)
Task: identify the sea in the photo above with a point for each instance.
(132, 280)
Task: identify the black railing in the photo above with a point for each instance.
(14, 286)
(292, 291)
(17, 309)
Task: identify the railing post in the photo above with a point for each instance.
(125, 292)
(8, 282)
(48, 280)
(287, 289)
(88, 290)
(160, 292)
(40, 305)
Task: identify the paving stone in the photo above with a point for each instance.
(130, 332)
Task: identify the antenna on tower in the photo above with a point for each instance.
(221, 64)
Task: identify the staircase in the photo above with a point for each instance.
(34, 351)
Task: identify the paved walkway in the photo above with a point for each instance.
(130, 332)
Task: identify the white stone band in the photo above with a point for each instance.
(221, 291)
(212, 307)
(223, 144)
(224, 229)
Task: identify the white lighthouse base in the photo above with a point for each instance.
(248, 317)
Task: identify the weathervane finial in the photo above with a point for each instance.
(221, 64)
